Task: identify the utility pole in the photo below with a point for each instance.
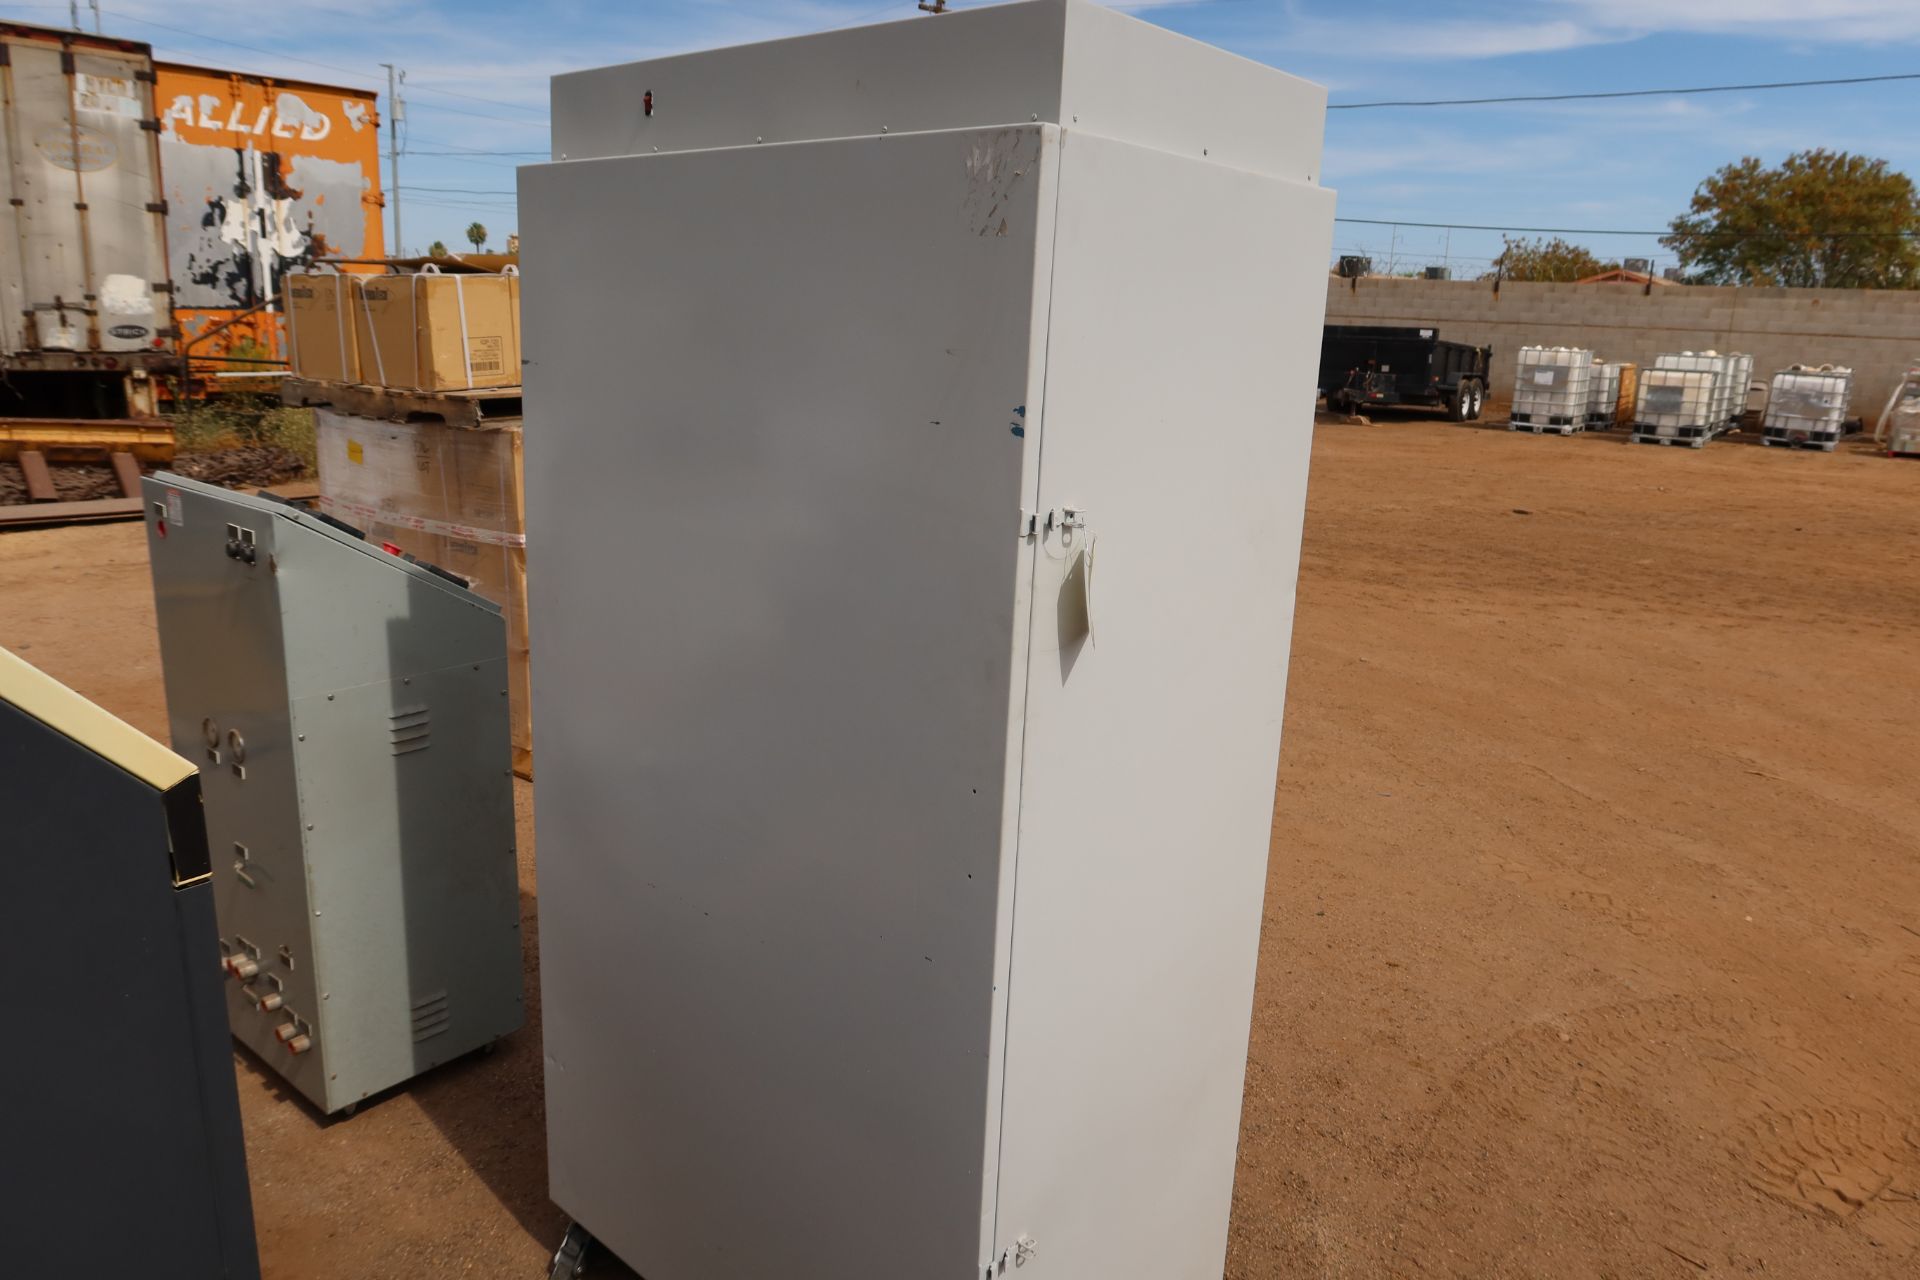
(396, 112)
(95, 4)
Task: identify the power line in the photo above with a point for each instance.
(1760, 234)
(1476, 226)
(494, 102)
(462, 149)
(1622, 93)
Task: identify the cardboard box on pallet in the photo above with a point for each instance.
(450, 496)
(439, 332)
(321, 333)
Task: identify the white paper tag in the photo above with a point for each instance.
(176, 509)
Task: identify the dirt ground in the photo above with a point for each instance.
(1592, 942)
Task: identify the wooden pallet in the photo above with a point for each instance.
(1696, 437)
(496, 406)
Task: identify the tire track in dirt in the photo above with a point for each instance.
(1858, 1167)
(1597, 1122)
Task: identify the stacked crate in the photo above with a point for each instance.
(1603, 399)
(414, 376)
(1551, 390)
(1808, 407)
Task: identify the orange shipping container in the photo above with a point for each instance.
(262, 178)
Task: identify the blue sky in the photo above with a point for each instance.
(477, 81)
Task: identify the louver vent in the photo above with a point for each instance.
(410, 730)
(430, 1016)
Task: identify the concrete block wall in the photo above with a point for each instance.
(1876, 332)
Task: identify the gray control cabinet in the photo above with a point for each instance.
(347, 708)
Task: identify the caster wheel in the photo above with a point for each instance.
(570, 1259)
(347, 1111)
(490, 1048)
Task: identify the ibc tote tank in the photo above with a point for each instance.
(1551, 387)
(1808, 406)
(1603, 401)
(1678, 405)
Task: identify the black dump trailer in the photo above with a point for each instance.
(1367, 366)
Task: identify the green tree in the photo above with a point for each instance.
(438, 249)
(1553, 261)
(477, 234)
(1822, 219)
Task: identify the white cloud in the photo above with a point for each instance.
(1501, 28)
(1436, 40)
(1819, 22)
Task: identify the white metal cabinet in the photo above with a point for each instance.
(891, 924)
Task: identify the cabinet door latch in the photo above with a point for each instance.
(1033, 523)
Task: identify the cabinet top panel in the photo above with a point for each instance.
(1067, 62)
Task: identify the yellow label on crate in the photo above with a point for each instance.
(355, 453)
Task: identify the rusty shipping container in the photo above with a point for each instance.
(83, 277)
(263, 177)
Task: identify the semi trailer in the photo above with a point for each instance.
(86, 303)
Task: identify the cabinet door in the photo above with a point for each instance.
(775, 456)
(1186, 316)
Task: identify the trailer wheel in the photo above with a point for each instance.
(1479, 401)
(1460, 404)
